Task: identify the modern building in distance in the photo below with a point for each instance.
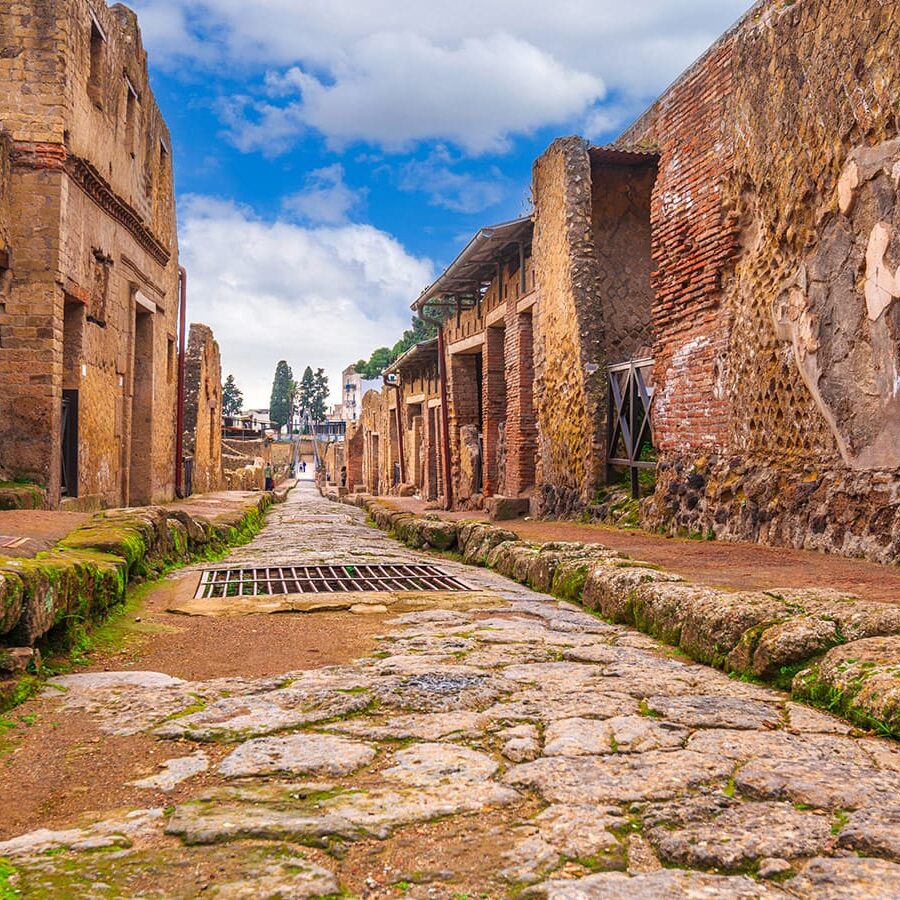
(355, 387)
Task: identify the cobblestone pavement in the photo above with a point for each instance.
(524, 748)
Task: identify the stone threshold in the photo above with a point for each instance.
(824, 647)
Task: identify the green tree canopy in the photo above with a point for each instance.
(232, 398)
(281, 400)
(384, 356)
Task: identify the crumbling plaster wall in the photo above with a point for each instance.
(620, 224)
(778, 359)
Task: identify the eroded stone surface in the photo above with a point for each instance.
(742, 834)
(427, 764)
(296, 754)
(236, 718)
(117, 832)
(470, 715)
(619, 777)
(712, 711)
(521, 743)
(847, 878)
(430, 727)
(825, 784)
(293, 879)
(620, 734)
(653, 885)
(174, 771)
(873, 832)
(351, 815)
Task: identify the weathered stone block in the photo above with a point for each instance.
(501, 509)
(860, 679)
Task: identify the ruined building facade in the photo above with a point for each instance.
(203, 411)
(739, 245)
(776, 273)
(88, 259)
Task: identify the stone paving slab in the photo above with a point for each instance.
(546, 753)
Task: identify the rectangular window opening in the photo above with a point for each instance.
(95, 77)
(131, 100)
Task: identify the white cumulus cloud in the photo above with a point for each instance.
(447, 187)
(398, 89)
(396, 72)
(319, 296)
(326, 198)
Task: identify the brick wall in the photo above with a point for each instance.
(354, 448)
(494, 338)
(203, 409)
(520, 428)
(694, 236)
(776, 414)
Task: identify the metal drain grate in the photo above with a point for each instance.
(265, 582)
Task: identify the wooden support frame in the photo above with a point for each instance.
(629, 418)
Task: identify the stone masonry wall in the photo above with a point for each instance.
(203, 409)
(570, 359)
(375, 425)
(777, 248)
(92, 301)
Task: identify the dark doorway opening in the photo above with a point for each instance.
(69, 455)
(73, 354)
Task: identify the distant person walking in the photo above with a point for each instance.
(270, 481)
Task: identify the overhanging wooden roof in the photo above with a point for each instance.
(419, 354)
(477, 263)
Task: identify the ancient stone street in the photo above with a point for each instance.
(494, 742)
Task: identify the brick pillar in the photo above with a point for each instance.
(494, 403)
(521, 431)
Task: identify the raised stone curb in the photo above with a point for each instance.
(88, 572)
(836, 651)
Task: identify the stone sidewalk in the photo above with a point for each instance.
(27, 532)
(526, 748)
(732, 565)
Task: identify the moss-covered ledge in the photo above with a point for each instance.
(835, 651)
(85, 576)
(22, 495)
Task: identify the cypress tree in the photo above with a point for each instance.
(280, 402)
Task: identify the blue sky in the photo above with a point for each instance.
(331, 156)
